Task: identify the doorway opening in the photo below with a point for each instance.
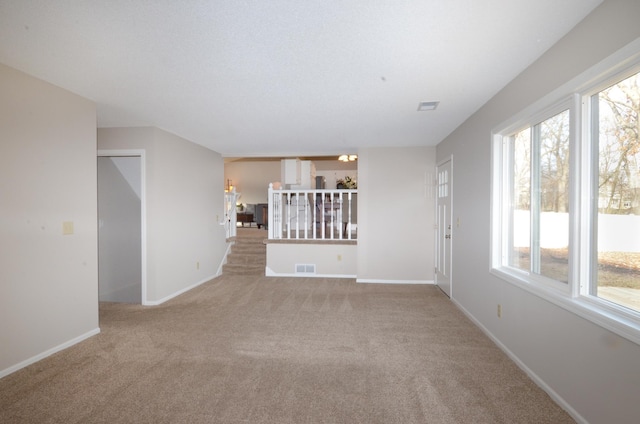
(121, 226)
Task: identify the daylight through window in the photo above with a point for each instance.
(615, 113)
(566, 202)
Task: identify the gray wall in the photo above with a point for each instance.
(184, 203)
(48, 281)
(119, 231)
(592, 371)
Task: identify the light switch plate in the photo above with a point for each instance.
(67, 228)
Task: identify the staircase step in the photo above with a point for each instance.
(242, 269)
(248, 256)
(234, 258)
(248, 249)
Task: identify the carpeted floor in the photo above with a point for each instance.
(279, 350)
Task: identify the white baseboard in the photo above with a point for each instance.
(178, 293)
(48, 352)
(540, 382)
(270, 273)
(375, 281)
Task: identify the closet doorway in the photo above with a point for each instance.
(121, 224)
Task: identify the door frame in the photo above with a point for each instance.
(439, 230)
(143, 211)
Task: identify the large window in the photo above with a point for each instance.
(566, 201)
(539, 207)
(615, 121)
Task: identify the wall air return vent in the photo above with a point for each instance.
(305, 268)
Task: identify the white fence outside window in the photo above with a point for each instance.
(555, 231)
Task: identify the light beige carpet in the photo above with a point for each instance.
(275, 350)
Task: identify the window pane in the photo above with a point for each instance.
(553, 198)
(521, 208)
(618, 245)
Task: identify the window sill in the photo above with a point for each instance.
(624, 323)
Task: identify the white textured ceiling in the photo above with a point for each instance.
(284, 77)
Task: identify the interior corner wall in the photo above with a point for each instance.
(396, 207)
(48, 281)
(591, 371)
(184, 205)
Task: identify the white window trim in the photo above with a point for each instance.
(588, 156)
(575, 296)
(500, 221)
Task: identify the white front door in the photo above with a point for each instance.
(443, 236)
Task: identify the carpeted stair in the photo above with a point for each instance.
(248, 256)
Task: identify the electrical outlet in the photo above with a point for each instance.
(339, 258)
(499, 310)
(198, 265)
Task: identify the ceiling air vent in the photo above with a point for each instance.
(425, 106)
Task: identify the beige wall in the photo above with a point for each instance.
(184, 204)
(338, 260)
(252, 177)
(48, 281)
(593, 372)
(396, 215)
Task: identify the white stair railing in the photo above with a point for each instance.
(230, 212)
(312, 214)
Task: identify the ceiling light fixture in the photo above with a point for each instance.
(347, 158)
(426, 106)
